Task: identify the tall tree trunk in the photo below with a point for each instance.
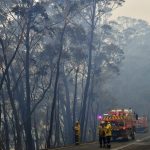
(29, 139)
(64, 130)
(49, 138)
(19, 94)
(0, 122)
(68, 110)
(57, 129)
(7, 142)
(0, 116)
(62, 136)
(12, 102)
(88, 112)
(47, 122)
(75, 96)
(93, 121)
(16, 117)
(83, 114)
(82, 93)
(12, 58)
(36, 132)
(13, 132)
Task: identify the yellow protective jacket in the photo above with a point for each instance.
(108, 129)
(101, 131)
(77, 129)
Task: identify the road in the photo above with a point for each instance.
(142, 142)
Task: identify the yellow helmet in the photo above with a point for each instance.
(77, 122)
(102, 122)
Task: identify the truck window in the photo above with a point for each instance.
(120, 123)
(117, 123)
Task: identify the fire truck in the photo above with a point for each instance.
(123, 123)
(142, 124)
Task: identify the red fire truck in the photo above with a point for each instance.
(142, 124)
(123, 123)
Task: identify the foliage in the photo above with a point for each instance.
(44, 50)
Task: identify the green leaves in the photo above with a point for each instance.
(19, 10)
(33, 11)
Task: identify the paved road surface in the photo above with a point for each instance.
(142, 142)
(139, 145)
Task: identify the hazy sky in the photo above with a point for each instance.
(134, 8)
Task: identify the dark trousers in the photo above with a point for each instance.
(108, 138)
(102, 140)
(77, 139)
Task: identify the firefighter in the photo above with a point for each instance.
(77, 133)
(102, 134)
(108, 130)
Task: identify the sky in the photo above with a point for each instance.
(139, 9)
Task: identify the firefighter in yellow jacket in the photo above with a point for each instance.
(108, 129)
(102, 133)
(77, 133)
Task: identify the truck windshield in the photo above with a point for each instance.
(120, 123)
(117, 123)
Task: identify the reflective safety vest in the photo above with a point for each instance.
(77, 129)
(108, 129)
(102, 131)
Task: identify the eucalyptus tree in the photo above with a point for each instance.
(36, 19)
(56, 57)
(107, 58)
(73, 69)
(136, 34)
(9, 51)
(65, 11)
(91, 15)
(23, 29)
